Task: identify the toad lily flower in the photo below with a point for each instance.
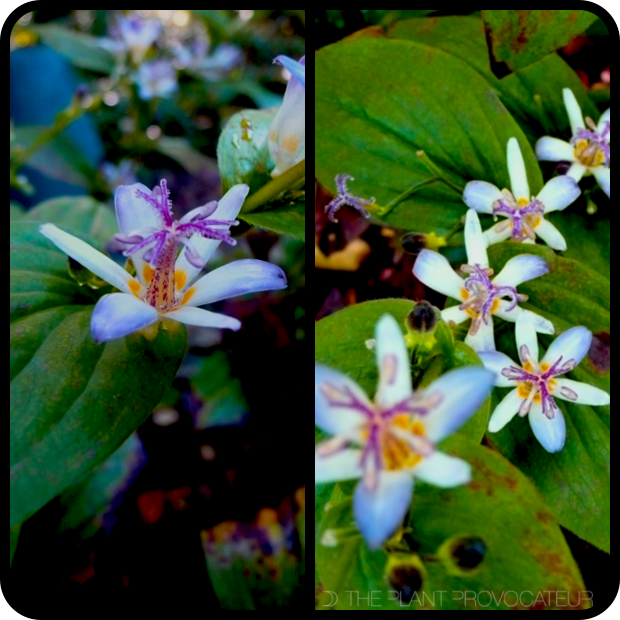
(538, 384)
(526, 215)
(588, 149)
(345, 198)
(138, 35)
(287, 135)
(157, 78)
(395, 437)
(165, 286)
(480, 296)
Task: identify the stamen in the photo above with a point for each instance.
(345, 198)
(525, 353)
(596, 143)
(521, 218)
(568, 393)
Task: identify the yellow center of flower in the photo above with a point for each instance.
(524, 389)
(590, 155)
(465, 295)
(397, 453)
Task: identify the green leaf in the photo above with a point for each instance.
(16, 211)
(185, 154)
(374, 129)
(285, 217)
(73, 402)
(81, 50)
(575, 482)
(15, 529)
(526, 551)
(242, 152)
(77, 215)
(521, 37)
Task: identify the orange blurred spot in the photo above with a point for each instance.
(151, 506)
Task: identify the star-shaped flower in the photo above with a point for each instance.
(157, 78)
(345, 198)
(588, 149)
(390, 442)
(526, 215)
(164, 285)
(537, 384)
(480, 296)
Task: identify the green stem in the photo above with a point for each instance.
(406, 194)
(274, 188)
(456, 228)
(437, 171)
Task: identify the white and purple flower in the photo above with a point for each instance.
(537, 384)
(138, 35)
(525, 214)
(588, 150)
(165, 285)
(344, 197)
(481, 297)
(157, 78)
(287, 135)
(390, 442)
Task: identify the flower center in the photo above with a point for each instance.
(524, 216)
(591, 147)
(161, 290)
(481, 297)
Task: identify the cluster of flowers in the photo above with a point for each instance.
(393, 440)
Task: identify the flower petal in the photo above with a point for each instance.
(520, 269)
(380, 511)
(552, 149)
(573, 344)
(505, 411)
(118, 315)
(541, 324)
(475, 241)
(237, 278)
(434, 270)
(602, 175)
(394, 363)
(493, 236)
(133, 212)
(462, 392)
(574, 111)
(227, 209)
(343, 465)
(443, 471)
(551, 236)
(576, 171)
(527, 340)
(298, 69)
(86, 255)
(203, 318)
(454, 315)
(550, 433)
(480, 195)
(332, 390)
(517, 171)
(558, 193)
(586, 394)
(496, 362)
(484, 339)
(603, 120)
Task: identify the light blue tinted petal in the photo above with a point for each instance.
(586, 394)
(559, 193)
(517, 171)
(480, 195)
(550, 433)
(434, 270)
(443, 471)
(118, 315)
(297, 69)
(603, 175)
(344, 465)
(521, 269)
(552, 149)
(496, 362)
(484, 339)
(203, 318)
(505, 411)
(475, 241)
(573, 344)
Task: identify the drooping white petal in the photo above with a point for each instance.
(393, 362)
(343, 465)
(118, 315)
(576, 171)
(505, 411)
(462, 392)
(339, 403)
(475, 241)
(496, 362)
(573, 344)
(443, 471)
(541, 324)
(227, 209)
(602, 122)
(574, 111)
(434, 270)
(602, 175)
(521, 269)
(552, 149)
(494, 236)
(527, 339)
(517, 171)
(298, 69)
(203, 318)
(237, 278)
(550, 433)
(484, 339)
(454, 315)
(586, 394)
(558, 193)
(380, 511)
(86, 255)
(480, 195)
(551, 236)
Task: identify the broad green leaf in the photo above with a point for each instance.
(374, 129)
(80, 49)
(575, 482)
(526, 551)
(77, 214)
(521, 37)
(15, 529)
(285, 217)
(387, 16)
(72, 402)
(340, 342)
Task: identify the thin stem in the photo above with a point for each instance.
(274, 188)
(437, 172)
(406, 194)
